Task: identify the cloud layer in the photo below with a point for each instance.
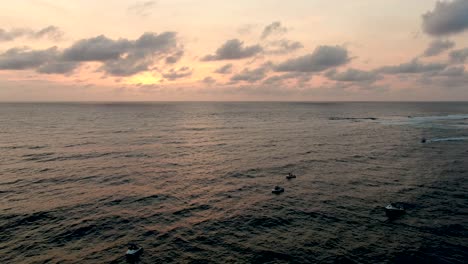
(120, 57)
(438, 46)
(233, 50)
(274, 28)
(414, 66)
(323, 57)
(50, 32)
(448, 17)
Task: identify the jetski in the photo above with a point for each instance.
(290, 176)
(393, 210)
(277, 190)
(133, 253)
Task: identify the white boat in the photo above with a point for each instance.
(290, 176)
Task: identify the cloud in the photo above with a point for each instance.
(252, 76)
(233, 50)
(413, 66)
(174, 58)
(209, 80)
(23, 58)
(58, 67)
(50, 32)
(120, 57)
(438, 46)
(142, 8)
(125, 57)
(283, 46)
(99, 48)
(352, 75)
(323, 57)
(453, 71)
(300, 77)
(448, 17)
(459, 56)
(274, 28)
(226, 69)
(174, 74)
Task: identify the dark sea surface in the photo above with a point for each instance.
(191, 182)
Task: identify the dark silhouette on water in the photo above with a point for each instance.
(133, 253)
(393, 210)
(290, 176)
(277, 190)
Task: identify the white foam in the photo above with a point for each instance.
(438, 121)
(448, 139)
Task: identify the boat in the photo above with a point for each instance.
(133, 253)
(277, 190)
(290, 176)
(393, 210)
(423, 140)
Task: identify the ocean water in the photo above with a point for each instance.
(191, 182)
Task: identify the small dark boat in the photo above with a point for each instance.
(423, 140)
(133, 253)
(277, 190)
(290, 176)
(393, 210)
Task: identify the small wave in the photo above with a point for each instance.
(188, 211)
(353, 118)
(37, 156)
(448, 139)
(24, 147)
(446, 121)
(79, 144)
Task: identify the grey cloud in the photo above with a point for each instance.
(453, 71)
(459, 56)
(125, 67)
(233, 50)
(174, 74)
(58, 67)
(50, 32)
(11, 35)
(273, 28)
(284, 46)
(99, 48)
(120, 57)
(174, 58)
(448, 17)
(124, 57)
(142, 8)
(252, 76)
(300, 77)
(352, 75)
(436, 47)
(323, 57)
(209, 80)
(413, 66)
(226, 69)
(22, 59)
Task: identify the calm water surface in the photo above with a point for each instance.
(191, 182)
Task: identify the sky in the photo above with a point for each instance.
(244, 50)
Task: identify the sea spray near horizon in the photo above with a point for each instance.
(191, 182)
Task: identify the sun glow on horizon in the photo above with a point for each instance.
(145, 78)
